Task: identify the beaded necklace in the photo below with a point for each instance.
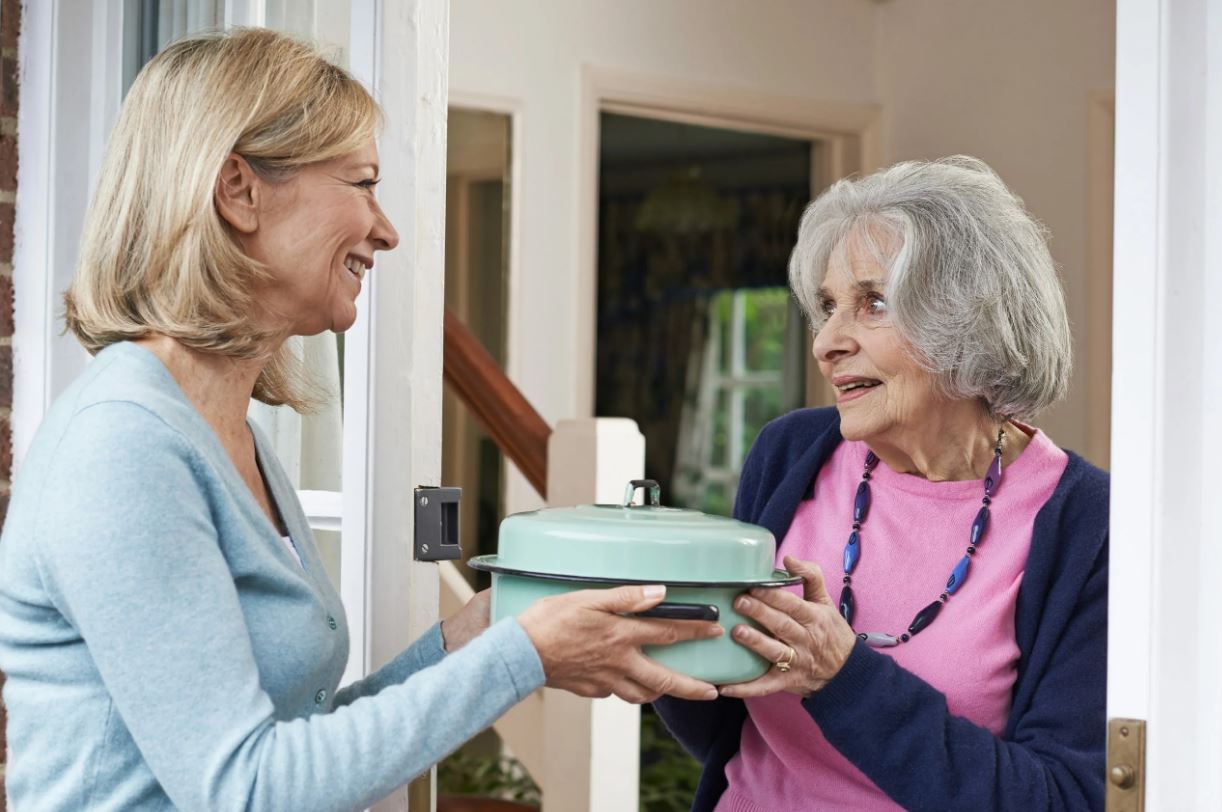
(852, 553)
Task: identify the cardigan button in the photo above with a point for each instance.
(320, 697)
(331, 622)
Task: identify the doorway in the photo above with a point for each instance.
(478, 162)
(699, 340)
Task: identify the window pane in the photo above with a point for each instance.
(290, 16)
(150, 25)
(761, 405)
(322, 431)
(328, 549)
(766, 314)
(310, 446)
(723, 306)
(717, 499)
(720, 430)
(324, 23)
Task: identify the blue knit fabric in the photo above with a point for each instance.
(895, 727)
(163, 648)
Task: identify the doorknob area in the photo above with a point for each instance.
(1122, 775)
(1126, 762)
(436, 529)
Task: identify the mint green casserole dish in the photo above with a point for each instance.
(705, 562)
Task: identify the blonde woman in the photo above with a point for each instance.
(168, 632)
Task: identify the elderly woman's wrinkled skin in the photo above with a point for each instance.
(885, 397)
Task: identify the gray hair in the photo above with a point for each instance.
(971, 286)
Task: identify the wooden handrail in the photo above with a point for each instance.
(504, 412)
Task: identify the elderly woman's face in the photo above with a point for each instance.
(317, 234)
(880, 388)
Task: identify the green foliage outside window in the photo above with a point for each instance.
(766, 311)
(764, 321)
(669, 775)
(486, 776)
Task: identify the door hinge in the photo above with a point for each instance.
(436, 531)
(1126, 765)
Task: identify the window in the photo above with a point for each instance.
(150, 25)
(308, 446)
(741, 386)
(73, 81)
(696, 338)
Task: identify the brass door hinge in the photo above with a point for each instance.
(1126, 765)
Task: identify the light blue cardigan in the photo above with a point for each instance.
(163, 648)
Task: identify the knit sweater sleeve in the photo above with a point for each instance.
(130, 556)
(898, 731)
(426, 651)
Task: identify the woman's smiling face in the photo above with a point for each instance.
(317, 234)
(881, 389)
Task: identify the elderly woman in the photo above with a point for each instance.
(169, 635)
(954, 658)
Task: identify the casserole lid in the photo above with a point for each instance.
(636, 543)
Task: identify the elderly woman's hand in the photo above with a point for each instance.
(819, 636)
(590, 648)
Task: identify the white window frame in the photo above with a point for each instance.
(737, 381)
(71, 68)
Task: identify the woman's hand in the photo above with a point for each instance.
(467, 623)
(813, 627)
(588, 647)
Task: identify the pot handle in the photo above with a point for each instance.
(682, 611)
(652, 489)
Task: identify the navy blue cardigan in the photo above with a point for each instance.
(893, 725)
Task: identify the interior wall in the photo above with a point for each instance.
(1014, 84)
(530, 54)
(1010, 83)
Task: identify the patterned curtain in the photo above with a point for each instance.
(654, 289)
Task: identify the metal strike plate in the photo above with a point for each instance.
(436, 535)
(1126, 765)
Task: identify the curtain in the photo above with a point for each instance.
(654, 291)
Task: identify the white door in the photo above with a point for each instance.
(357, 474)
(1165, 606)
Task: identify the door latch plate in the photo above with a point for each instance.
(1126, 765)
(436, 531)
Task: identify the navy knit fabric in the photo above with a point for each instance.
(893, 725)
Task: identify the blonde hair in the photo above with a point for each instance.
(156, 256)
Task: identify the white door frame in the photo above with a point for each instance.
(1101, 206)
(1165, 601)
(407, 70)
(407, 67)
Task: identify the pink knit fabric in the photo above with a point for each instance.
(914, 535)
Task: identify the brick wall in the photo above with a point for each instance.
(10, 26)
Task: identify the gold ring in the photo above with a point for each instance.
(785, 663)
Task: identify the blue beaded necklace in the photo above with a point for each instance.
(852, 553)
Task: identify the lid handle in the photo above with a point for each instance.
(651, 487)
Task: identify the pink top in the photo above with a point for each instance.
(914, 535)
